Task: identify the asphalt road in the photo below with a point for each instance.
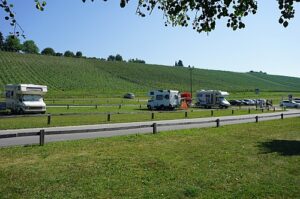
(172, 125)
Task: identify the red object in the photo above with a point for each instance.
(186, 96)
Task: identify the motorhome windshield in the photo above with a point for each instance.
(31, 98)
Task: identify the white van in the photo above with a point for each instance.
(164, 99)
(212, 99)
(25, 98)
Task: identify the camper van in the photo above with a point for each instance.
(212, 99)
(164, 99)
(25, 98)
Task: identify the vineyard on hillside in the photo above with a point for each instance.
(79, 76)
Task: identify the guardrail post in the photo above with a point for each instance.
(212, 113)
(262, 110)
(274, 109)
(256, 119)
(49, 119)
(96, 106)
(68, 106)
(185, 114)
(281, 116)
(140, 106)
(240, 107)
(154, 125)
(218, 122)
(120, 106)
(249, 110)
(108, 117)
(232, 111)
(42, 137)
(152, 116)
(268, 108)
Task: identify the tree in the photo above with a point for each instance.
(48, 51)
(58, 54)
(119, 57)
(69, 54)
(1, 41)
(12, 43)
(201, 15)
(180, 63)
(111, 58)
(78, 54)
(30, 47)
(136, 60)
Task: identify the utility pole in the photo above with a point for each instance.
(191, 80)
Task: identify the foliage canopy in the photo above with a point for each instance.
(201, 15)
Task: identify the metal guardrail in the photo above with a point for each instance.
(42, 133)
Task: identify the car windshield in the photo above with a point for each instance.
(31, 98)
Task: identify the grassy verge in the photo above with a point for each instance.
(238, 161)
(72, 120)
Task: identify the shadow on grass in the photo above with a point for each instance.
(283, 147)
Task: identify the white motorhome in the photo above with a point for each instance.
(164, 99)
(212, 99)
(25, 98)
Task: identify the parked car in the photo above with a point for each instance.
(129, 96)
(249, 102)
(235, 102)
(289, 104)
(297, 100)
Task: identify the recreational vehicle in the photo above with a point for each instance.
(212, 99)
(164, 99)
(25, 98)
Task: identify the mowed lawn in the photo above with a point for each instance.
(238, 161)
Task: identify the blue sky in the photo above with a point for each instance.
(102, 28)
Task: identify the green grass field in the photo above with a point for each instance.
(237, 161)
(90, 78)
(86, 116)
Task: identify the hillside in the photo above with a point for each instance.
(74, 76)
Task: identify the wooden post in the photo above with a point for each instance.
(232, 111)
(152, 116)
(68, 106)
(120, 106)
(262, 110)
(42, 137)
(108, 117)
(154, 125)
(249, 110)
(185, 114)
(281, 116)
(256, 119)
(218, 122)
(274, 109)
(212, 113)
(140, 106)
(49, 119)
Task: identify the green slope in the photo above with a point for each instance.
(73, 76)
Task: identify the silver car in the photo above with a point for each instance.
(289, 104)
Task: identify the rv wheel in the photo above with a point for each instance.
(161, 107)
(21, 112)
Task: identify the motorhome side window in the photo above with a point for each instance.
(9, 94)
(159, 97)
(167, 96)
(151, 93)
